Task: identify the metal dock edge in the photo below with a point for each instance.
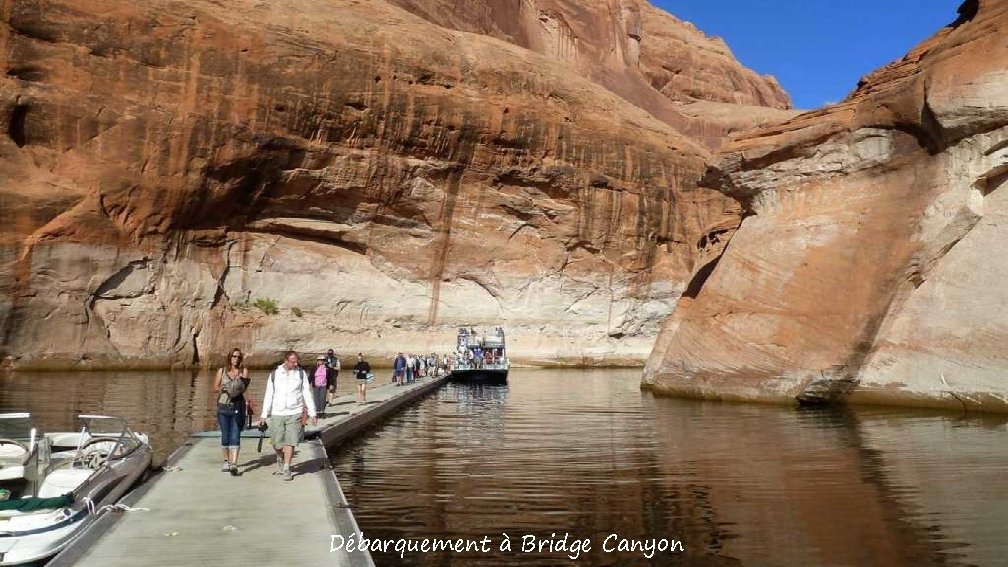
(191, 513)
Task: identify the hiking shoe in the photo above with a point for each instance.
(287, 475)
(226, 467)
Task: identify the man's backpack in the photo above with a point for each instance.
(304, 379)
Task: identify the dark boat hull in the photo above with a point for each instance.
(480, 376)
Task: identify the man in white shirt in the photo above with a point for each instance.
(287, 392)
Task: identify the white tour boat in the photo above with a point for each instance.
(480, 356)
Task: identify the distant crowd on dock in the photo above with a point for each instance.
(407, 368)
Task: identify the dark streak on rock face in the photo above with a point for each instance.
(432, 157)
(16, 127)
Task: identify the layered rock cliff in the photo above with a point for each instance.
(869, 262)
(648, 57)
(383, 173)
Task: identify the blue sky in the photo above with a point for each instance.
(817, 49)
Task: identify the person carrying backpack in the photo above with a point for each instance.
(287, 393)
(230, 385)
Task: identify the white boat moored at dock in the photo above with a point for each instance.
(53, 485)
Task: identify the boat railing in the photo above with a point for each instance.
(112, 434)
(500, 363)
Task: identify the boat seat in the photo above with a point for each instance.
(10, 472)
(9, 451)
(12, 461)
(68, 454)
(67, 440)
(15, 484)
(62, 481)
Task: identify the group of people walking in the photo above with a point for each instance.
(293, 397)
(407, 368)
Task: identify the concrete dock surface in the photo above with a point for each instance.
(193, 514)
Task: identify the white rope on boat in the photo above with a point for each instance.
(120, 508)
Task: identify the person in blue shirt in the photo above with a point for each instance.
(399, 369)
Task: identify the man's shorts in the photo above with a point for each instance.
(285, 430)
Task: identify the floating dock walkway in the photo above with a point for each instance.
(193, 514)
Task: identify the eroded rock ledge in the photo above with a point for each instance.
(869, 264)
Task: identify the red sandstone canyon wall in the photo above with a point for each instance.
(385, 171)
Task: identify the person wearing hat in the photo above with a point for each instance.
(320, 383)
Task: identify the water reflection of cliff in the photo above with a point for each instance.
(585, 453)
(165, 405)
(815, 488)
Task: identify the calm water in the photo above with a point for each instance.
(167, 406)
(587, 454)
